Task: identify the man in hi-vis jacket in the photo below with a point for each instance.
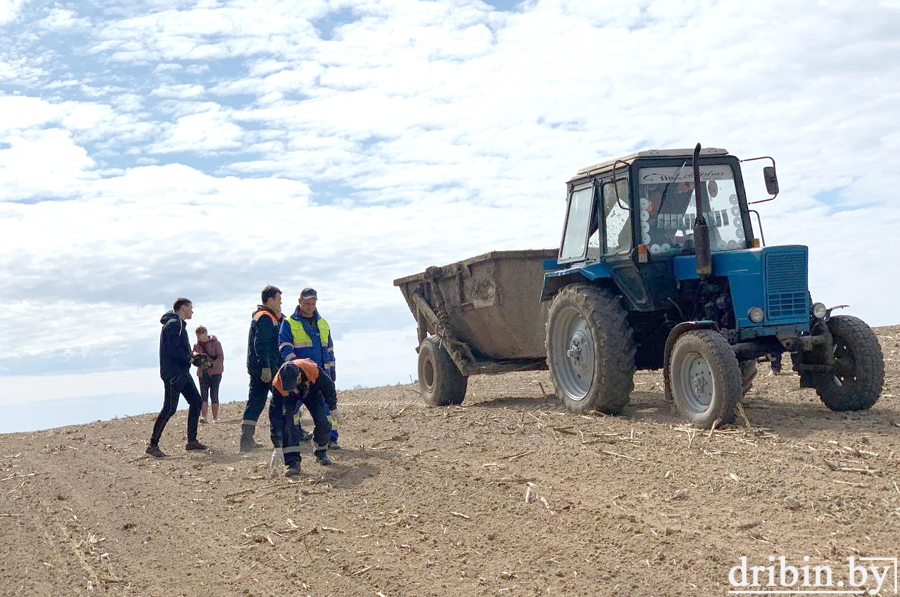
(306, 335)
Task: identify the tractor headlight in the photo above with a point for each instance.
(756, 315)
(819, 311)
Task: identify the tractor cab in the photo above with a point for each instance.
(632, 216)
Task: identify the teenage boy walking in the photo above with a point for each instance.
(175, 370)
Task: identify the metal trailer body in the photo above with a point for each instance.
(486, 311)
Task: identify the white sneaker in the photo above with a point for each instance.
(202, 420)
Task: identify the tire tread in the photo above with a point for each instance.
(449, 384)
(721, 412)
(869, 360)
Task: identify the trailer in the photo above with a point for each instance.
(481, 315)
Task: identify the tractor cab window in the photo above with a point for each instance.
(668, 208)
(617, 217)
(577, 221)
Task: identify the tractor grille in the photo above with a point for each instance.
(786, 285)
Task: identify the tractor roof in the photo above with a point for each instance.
(650, 153)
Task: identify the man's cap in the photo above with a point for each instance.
(307, 293)
(290, 375)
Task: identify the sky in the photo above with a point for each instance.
(164, 148)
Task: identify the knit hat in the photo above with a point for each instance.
(290, 374)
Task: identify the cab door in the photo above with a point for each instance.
(618, 241)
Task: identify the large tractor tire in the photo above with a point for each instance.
(857, 383)
(440, 382)
(705, 378)
(590, 350)
(748, 374)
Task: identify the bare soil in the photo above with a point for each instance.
(505, 495)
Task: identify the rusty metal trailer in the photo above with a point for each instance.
(481, 315)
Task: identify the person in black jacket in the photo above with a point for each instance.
(263, 360)
(175, 359)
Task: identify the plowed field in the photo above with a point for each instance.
(504, 495)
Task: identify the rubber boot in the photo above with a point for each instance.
(322, 457)
(247, 441)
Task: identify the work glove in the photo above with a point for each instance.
(266, 375)
(276, 462)
(336, 415)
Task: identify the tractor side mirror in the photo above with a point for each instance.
(771, 180)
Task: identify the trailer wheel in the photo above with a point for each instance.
(748, 374)
(857, 382)
(440, 382)
(590, 350)
(705, 378)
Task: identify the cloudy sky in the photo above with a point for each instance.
(157, 148)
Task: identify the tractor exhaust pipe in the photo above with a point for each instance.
(702, 252)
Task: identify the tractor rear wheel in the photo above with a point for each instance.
(590, 350)
(440, 381)
(859, 374)
(705, 378)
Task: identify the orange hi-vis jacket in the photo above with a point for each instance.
(310, 371)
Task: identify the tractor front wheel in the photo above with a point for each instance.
(855, 383)
(705, 378)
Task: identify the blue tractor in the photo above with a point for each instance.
(659, 268)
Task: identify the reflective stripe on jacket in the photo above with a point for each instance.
(299, 338)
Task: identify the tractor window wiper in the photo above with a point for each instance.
(665, 193)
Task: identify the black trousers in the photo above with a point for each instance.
(256, 402)
(183, 385)
(315, 403)
(284, 433)
(324, 391)
(209, 387)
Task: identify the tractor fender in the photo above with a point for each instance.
(554, 281)
(678, 330)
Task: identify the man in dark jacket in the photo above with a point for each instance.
(175, 370)
(263, 360)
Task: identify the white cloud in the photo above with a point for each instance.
(41, 163)
(202, 132)
(418, 133)
(61, 19)
(9, 10)
(184, 92)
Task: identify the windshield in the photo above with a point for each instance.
(668, 208)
